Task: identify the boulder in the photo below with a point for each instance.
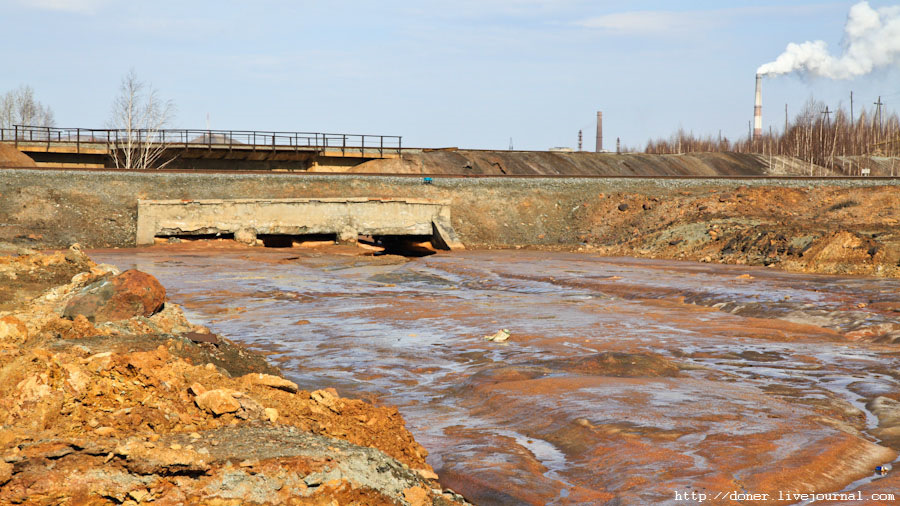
(12, 329)
(129, 294)
(271, 381)
(218, 402)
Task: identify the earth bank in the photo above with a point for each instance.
(128, 402)
(823, 226)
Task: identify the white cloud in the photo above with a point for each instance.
(65, 5)
(643, 22)
(663, 22)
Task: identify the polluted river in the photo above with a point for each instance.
(623, 381)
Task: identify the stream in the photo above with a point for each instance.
(624, 381)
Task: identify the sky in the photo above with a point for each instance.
(465, 73)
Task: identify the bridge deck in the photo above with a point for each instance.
(194, 143)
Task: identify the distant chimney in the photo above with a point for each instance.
(599, 131)
(757, 109)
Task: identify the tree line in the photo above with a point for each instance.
(138, 114)
(816, 135)
(18, 107)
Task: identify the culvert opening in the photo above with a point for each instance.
(296, 240)
(173, 238)
(405, 245)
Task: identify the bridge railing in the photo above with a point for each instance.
(193, 138)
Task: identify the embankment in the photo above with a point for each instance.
(108, 395)
(581, 163)
(823, 225)
(559, 163)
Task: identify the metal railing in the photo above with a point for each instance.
(254, 140)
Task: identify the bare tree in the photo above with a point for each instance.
(812, 136)
(18, 107)
(140, 116)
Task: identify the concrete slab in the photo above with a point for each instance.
(344, 217)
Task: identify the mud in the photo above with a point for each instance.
(623, 381)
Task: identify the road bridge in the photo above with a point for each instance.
(200, 149)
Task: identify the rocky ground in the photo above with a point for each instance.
(108, 395)
(826, 230)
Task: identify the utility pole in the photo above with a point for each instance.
(878, 114)
(826, 112)
(579, 140)
(618, 146)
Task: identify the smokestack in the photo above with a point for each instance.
(757, 109)
(599, 132)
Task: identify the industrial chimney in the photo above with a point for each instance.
(599, 132)
(757, 109)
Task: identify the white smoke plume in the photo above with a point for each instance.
(871, 40)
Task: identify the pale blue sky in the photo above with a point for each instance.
(468, 73)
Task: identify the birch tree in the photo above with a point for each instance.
(139, 115)
(18, 107)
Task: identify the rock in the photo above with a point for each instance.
(138, 495)
(416, 496)
(623, 207)
(271, 381)
(103, 269)
(271, 414)
(246, 236)
(500, 336)
(132, 293)
(327, 399)
(104, 431)
(12, 329)
(427, 474)
(76, 255)
(6, 471)
(201, 337)
(218, 402)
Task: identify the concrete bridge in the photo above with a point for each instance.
(345, 218)
(201, 149)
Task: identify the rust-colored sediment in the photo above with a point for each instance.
(137, 408)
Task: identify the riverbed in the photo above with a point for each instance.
(623, 380)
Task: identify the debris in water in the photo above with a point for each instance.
(883, 470)
(499, 337)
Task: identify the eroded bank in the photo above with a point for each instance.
(830, 226)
